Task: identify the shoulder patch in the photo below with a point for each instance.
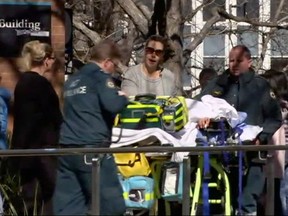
(216, 93)
(272, 94)
(110, 83)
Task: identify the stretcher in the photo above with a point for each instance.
(188, 137)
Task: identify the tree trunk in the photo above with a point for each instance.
(89, 9)
(92, 35)
(174, 31)
(135, 14)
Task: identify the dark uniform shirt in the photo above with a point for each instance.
(91, 103)
(251, 94)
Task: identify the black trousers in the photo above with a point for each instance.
(43, 170)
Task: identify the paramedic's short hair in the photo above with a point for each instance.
(244, 49)
(105, 49)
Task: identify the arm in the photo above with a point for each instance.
(3, 118)
(5, 99)
(109, 97)
(271, 114)
(50, 104)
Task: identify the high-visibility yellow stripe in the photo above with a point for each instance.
(179, 110)
(167, 118)
(143, 106)
(125, 195)
(149, 196)
(180, 118)
(136, 120)
(171, 118)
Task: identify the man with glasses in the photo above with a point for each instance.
(91, 102)
(150, 76)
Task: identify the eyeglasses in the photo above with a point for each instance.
(150, 50)
(115, 63)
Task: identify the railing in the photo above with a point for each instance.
(158, 149)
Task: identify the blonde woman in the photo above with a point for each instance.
(37, 120)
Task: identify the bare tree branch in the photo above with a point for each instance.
(194, 12)
(92, 35)
(202, 34)
(252, 22)
(127, 43)
(217, 13)
(285, 69)
(144, 9)
(268, 37)
(135, 14)
(68, 5)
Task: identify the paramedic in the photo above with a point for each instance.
(91, 102)
(250, 93)
(150, 76)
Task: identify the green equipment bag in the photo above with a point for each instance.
(175, 113)
(142, 112)
(148, 111)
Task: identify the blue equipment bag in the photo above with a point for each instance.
(172, 181)
(138, 192)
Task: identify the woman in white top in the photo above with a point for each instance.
(150, 76)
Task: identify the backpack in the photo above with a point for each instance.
(132, 164)
(148, 111)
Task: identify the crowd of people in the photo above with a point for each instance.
(91, 102)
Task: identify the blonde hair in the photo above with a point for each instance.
(33, 54)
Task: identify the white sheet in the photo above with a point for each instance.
(209, 107)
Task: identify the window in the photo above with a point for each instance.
(249, 38)
(214, 45)
(217, 64)
(207, 9)
(214, 49)
(249, 9)
(279, 43)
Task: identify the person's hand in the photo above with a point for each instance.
(121, 93)
(203, 123)
(257, 142)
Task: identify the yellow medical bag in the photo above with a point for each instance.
(132, 164)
